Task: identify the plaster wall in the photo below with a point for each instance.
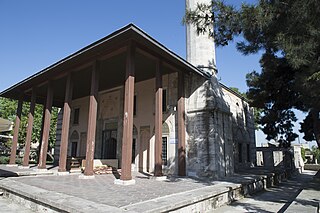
(216, 121)
(110, 113)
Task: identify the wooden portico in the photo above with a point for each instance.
(123, 58)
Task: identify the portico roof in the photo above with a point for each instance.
(110, 51)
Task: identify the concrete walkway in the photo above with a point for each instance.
(298, 194)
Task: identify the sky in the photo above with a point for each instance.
(35, 34)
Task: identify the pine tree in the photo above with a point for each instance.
(287, 33)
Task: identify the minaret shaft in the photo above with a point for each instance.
(200, 48)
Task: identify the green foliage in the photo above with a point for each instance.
(287, 34)
(303, 154)
(316, 153)
(8, 110)
(4, 159)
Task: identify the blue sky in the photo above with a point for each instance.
(34, 34)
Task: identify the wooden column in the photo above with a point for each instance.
(128, 115)
(29, 128)
(46, 128)
(181, 127)
(92, 120)
(41, 131)
(158, 122)
(16, 133)
(65, 125)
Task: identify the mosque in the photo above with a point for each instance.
(128, 101)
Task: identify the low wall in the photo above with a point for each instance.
(250, 187)
(102, 162)
(313, 167)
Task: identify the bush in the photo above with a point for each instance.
(19, 161)
(4, 159)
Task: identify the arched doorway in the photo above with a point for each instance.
(109, 144)
(74, 139)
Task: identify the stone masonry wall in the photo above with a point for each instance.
(217, 120)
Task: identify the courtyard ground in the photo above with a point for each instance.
(102, 195)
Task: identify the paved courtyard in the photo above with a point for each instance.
(145, 194)
(101, 189)
(102, 195)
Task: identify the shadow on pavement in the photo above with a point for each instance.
(6, 173)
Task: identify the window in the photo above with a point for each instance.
(164, 150)
(133, 150)
(135, 105)
(240, 152)
(76, 116)
(74, 146)
(164, 100)
(248, 153)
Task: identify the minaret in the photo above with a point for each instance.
(200, 48)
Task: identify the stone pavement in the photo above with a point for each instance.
(294, 195)
(7, 206)
(148, 195)
(101, 194)
(101, 189)
(309, 198)
(16, 171)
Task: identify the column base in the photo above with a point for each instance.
(124, 182)
(12, 165)
(40, 170)
(23, 167)
(76, 170)
(158, 178)
(82, 176)
(62, 173)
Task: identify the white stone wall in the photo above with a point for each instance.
(242, 127)
(215, 116)
(209, 141)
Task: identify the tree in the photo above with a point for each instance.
(287, 34)
(316, 153)
(8, 110)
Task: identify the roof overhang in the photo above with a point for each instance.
(110, 49)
